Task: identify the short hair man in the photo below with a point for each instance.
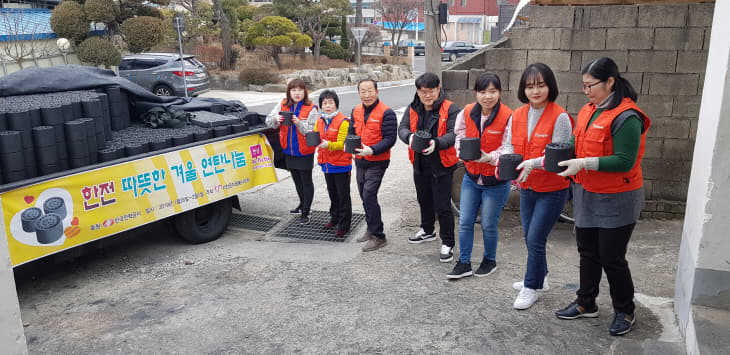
(376, 124)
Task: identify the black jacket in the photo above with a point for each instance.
(428, 121)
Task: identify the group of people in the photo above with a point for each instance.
(604, 179)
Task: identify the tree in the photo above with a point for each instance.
(22, 36)
(226, 41)
(344, 34)
(397, 15)
(68, 20)
(317, 16)
(99, 51)
(275, 32)
(142, 33)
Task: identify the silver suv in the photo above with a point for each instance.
(161, 73)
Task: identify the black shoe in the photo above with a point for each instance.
(304, 219)
(622, 323)
(486, 268)
(422, 237)
(297, 210)
(460, 270)
(574, 311)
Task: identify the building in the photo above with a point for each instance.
(260, 2)
(472, 20)
(29, 4)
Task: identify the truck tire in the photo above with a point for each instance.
(452, 57)
(204, 224)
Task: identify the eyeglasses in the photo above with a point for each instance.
(589, 86)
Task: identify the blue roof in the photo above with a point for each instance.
(25, 24)
(409, 27)
(30, 24)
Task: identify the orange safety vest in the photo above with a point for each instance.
(297, 140)
(324, 155)
(539, 180)
(597, 141)
(448, 155)
(491, 136)
(371, 132)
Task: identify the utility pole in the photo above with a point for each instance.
(432, 37)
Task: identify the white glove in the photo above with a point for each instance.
(280, 119)
(526, 166)
(431, 147)
(365, 151)
(323, 145)
(574, 166)
(485, 158)
(410, 141)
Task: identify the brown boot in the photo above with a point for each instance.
(365, 237)
(374, 244)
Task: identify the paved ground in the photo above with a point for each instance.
(250, 292)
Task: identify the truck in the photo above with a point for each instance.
(193, 182)
(455, 49)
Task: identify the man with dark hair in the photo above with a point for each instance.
(376, 124)
(431, 115)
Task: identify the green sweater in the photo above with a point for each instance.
(626, 143)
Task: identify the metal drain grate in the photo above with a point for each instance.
(315, 229)
(245, 221)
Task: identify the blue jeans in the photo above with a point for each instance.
(492, 200)
(539, 211)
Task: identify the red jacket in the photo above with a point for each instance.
(597, 141)
(491, 137)
(295, 144)
(448, 155)
(539, 180)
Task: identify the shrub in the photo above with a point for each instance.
(209, 54)
(104, 11)
(142, 33)
(68, 20)
(256, 76)
(150, 11)
(333, 51)
(98, 51)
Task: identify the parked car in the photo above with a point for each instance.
(455, 49)
(419, 48)
(161, 74)
(403, 47)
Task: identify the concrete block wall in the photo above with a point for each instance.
(660, 48)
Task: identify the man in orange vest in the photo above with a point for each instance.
(376, 124)
(433, 168)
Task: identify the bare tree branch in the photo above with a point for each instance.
(399, 14)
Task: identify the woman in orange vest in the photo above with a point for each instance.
(542, 194)
(608, 193)
(489, 119)
(299, 158)
(335, 162)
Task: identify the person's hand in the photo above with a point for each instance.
(484, 158)
(364, 151)
(280, 119)
(296, 120)
(410, 141)
(431, 147)
(526, 167)
(574, 166)
(324, 144)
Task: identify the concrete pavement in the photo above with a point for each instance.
(251, 292)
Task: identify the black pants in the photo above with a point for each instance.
(368, 184)
(434, 197)
(605, 249)
(305, 188)
(338, 187)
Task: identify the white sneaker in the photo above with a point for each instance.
(520, 284)
(446, 254)
(526, 298)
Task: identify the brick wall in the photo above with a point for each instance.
(660, 49)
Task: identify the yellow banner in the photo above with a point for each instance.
(59, 214)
